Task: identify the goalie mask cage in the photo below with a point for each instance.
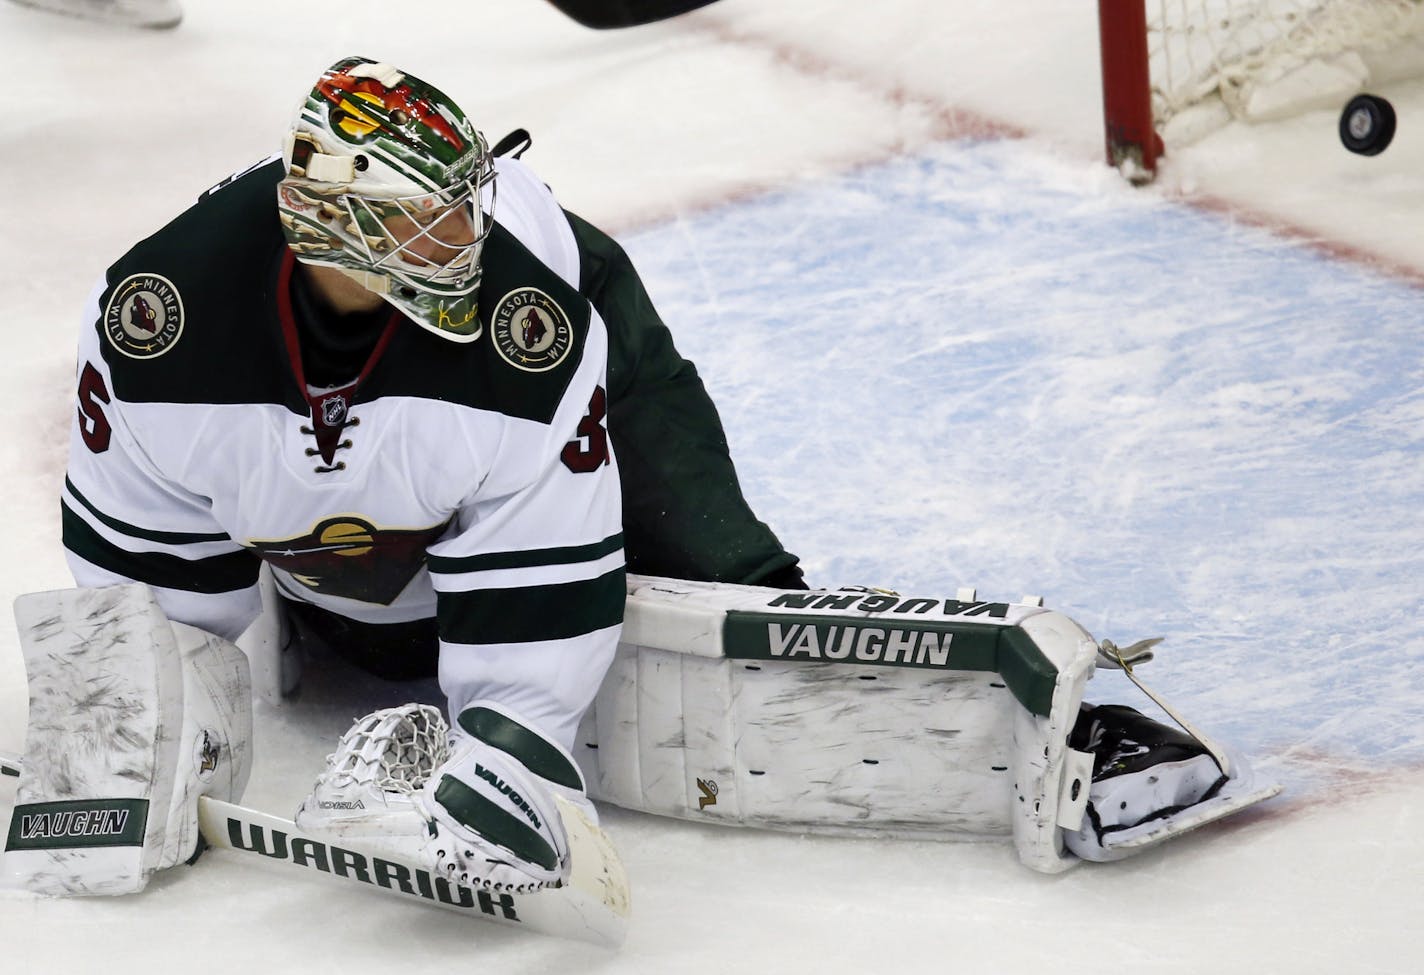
(1176, 70)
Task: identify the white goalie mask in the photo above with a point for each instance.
(390, 183)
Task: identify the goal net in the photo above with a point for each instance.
(1211, 61)
(1268, 59)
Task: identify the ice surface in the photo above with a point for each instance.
(945, 356)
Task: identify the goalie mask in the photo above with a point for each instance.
(388, 182)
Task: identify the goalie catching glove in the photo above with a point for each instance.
(490, 809)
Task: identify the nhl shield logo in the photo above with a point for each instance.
(144, 317)
(531, 331)
(333, 410)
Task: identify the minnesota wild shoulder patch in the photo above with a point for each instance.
(144, 317)
(531, 331)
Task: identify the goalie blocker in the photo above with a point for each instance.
(864, 711)
(132, 719)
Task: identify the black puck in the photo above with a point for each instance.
(1367, 125)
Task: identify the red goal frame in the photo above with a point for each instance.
(1133, 145)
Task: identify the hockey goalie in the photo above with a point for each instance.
(356, 401)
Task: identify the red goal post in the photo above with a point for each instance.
(1133, 144)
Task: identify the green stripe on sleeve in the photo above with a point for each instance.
(528, 559)
(133, 531)
(530, 614)
(215, 574)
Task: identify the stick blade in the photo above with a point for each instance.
(593, 907)
(614, 14)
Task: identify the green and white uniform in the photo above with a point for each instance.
(474, 488)
(473, 483)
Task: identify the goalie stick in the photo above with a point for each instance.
(592, 907)
(613, 14)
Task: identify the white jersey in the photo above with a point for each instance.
(469, 482)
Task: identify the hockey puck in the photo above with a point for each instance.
(1367, 125)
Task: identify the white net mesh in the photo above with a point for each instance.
(394, 750)
(1214, 60)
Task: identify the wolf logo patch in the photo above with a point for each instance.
(144, 317)
(531, 331)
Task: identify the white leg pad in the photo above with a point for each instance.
(844, 712)
(271, 651)
(132, 718)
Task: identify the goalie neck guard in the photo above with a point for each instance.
(389, 182)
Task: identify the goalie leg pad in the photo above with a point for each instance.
(132, 718)
(861, 711)
(844, 713)
(271, 647)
